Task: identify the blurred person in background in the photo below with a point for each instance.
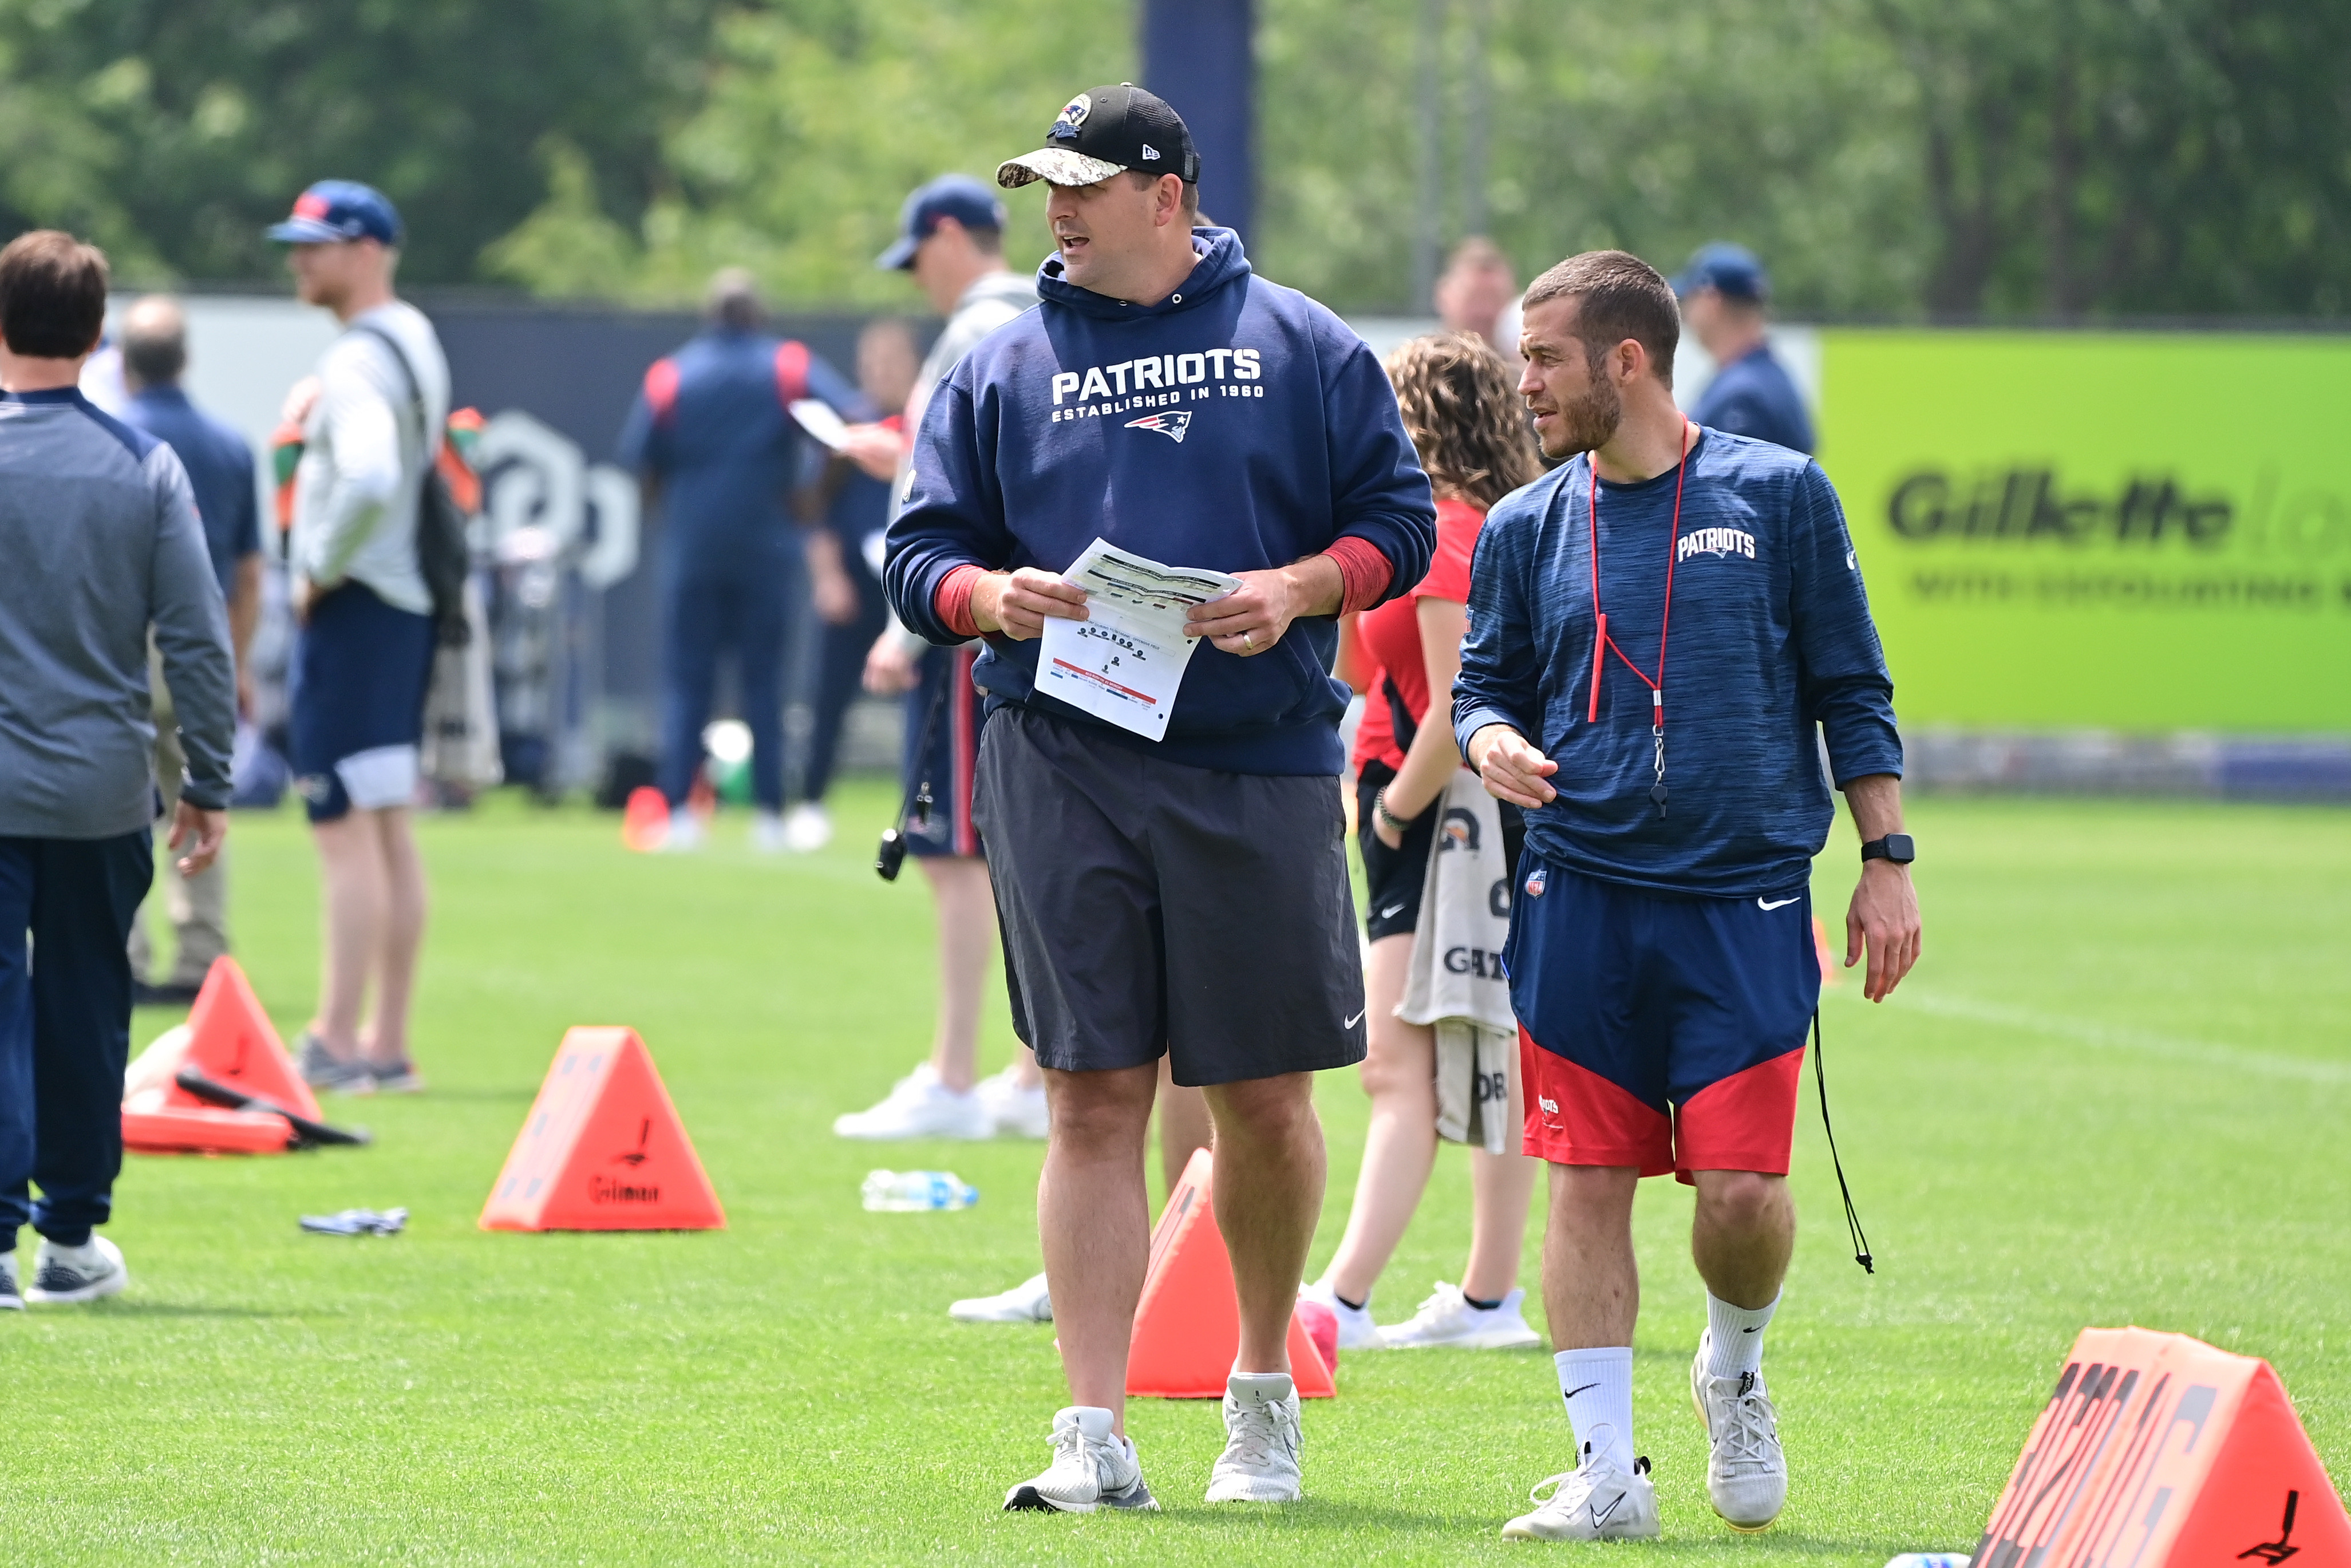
(154, 352)
(847, 506)
(370, 422)
(712, 439)
(1476, 290)
(99, 529)
(1725, 296)
(1462, 410)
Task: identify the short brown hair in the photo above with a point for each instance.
(52, 294)
(1618, 296)
(1464, 416)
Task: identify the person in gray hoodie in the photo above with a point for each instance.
(100, 530)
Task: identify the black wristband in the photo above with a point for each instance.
(1895, 847)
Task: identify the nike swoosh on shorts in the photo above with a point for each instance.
(1776, 904)
(1353, 1021)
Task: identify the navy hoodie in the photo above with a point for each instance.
(1772, 637)
(1236, 425)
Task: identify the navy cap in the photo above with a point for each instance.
(957, 196)
(1732, 270)
(336, 210)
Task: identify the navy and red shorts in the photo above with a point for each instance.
(949, 762)
(1656, 1030)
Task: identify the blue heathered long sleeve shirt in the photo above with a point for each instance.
(1770, 635)
(1236, 425)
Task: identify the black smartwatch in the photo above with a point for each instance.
(1895, 847)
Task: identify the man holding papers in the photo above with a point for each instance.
(1217, 465)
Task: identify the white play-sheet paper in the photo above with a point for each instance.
(1126, 661)
(818, 420)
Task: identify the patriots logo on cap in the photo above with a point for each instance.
(1065, 128)
(1172, 425)
(310, 204)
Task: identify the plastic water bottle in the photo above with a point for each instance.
(1931, 1560)
(906, 1192)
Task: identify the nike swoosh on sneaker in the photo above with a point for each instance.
(1776, 904)
(1600, 1515)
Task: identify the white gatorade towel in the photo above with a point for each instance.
(1455, 982)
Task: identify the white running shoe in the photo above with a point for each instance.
(685, 831)
(918, 1106)
(769, 836)
(1447, 1319)
(1259, 1463)
(83, 1273)
(1015, 1109)
(1090, 1469)
(1356, 1330)
(1594, 1502)
(1746, 1472)
(12, 1300)
(1025, 1302)
(807, 828)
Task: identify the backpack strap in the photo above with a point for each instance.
(661, 389)
(431, 437)
(791, 370)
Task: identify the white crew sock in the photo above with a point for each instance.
(1598, 1386)
(1735, 1336)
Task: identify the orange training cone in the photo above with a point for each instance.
(2159, 1451)
(231, 1040)
(602, 1148)
(203, 1130)
(644, 826)
(1824, 953)
(1187, 1327)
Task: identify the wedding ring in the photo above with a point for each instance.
(1248, 641)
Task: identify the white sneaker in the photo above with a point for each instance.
(685, 833)
(807, 828)
(1259, 1463)
(1594, 1502)
(1025, 1302)
(1447, 1319)
(1015, 1109)
(11, 1299)
(768, 835)
(1356, 1330)
(1746, 1472)
(1090, 1469)
(918, 1106)
(83, 1273)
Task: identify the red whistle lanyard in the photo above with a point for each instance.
(1604, 644)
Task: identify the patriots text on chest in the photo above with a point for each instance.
(1154, 372)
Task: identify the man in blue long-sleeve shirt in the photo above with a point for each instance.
(1647, 660)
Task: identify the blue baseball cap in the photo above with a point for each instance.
(1732, 270)
(333, 211)
(957, 196)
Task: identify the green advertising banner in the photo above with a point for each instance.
(2132, 531)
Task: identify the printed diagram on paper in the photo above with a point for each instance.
(1125, 662)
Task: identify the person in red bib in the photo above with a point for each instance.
(1471, 432)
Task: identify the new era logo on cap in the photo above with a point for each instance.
(1102, 130)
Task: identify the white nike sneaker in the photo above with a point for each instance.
(1259, 1463)
(83, 1273)
(11, 1299)
(1025, 1302)
(1356, 1330)
(918, 1106)
(1447, 1319)
(1746, 1472)
(808, 827)
(1594, 1502)
(685, 833)
(1015, 1109)
(1090, 1469)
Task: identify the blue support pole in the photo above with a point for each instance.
(1198, 56)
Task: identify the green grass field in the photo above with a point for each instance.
(2116, 1090)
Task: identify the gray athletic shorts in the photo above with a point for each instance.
(1147, 907)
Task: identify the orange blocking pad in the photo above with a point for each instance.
(1187, 1327)
(205, 1130)
(231, 1041)
(2159, 1451)
(602, 1148)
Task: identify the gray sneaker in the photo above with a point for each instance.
(323, 1069)
(396, 1077)
(83, 1273)
(11, 1299)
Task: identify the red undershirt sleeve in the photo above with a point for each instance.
(954, 600)
(1363, 572)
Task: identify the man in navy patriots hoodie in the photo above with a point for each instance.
(1186, 896)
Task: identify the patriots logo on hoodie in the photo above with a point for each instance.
(1172, 425)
